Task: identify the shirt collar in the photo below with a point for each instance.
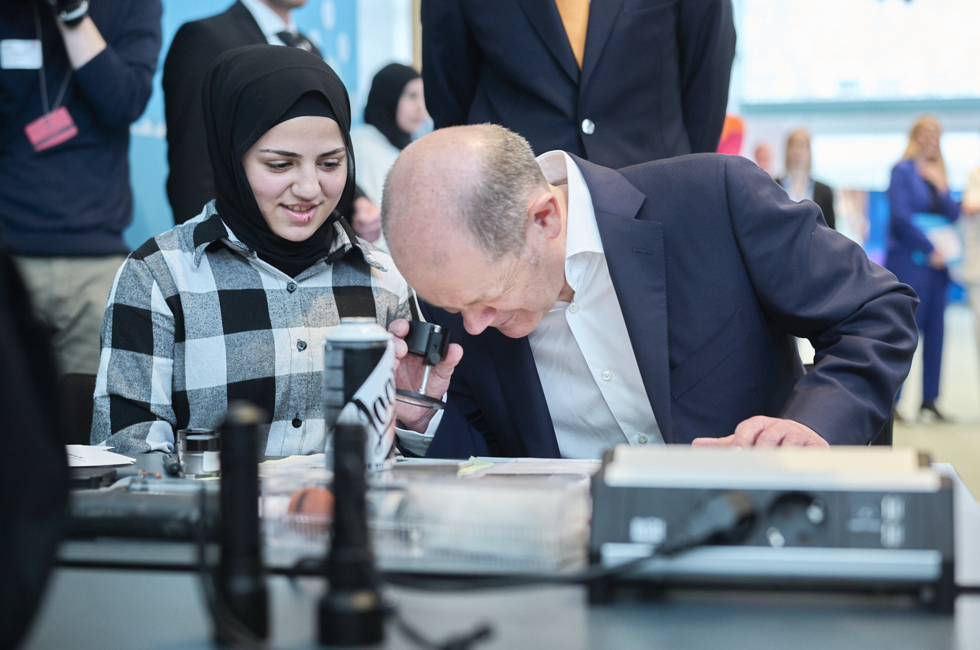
(581, 232)
(213, 229)
(269, 21)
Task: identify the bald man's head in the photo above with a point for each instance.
(474, 178)
(474, 227)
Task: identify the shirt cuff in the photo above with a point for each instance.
(418, 443)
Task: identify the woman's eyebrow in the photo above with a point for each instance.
(279, 152)
(290, 154)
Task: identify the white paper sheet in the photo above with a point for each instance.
(86, 456)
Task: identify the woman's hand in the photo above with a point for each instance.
(931, 171)
(936, 260)
(366, 221)
(408, 376)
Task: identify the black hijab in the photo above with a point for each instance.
(382, 103)
(248, 91)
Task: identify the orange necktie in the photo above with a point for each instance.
(575, 17)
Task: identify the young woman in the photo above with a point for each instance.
(235, 303)
(918, 185)
(797, 180)
(395, 110)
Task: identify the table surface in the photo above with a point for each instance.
(119, 609)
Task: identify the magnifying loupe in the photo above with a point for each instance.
(430, 342)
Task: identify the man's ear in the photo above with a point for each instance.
(544, 212)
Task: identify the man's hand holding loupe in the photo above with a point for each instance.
(413, 375)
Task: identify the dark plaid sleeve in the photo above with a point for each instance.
(133, 409)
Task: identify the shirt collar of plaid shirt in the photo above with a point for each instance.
(213, 229)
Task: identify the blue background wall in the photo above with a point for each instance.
(330, 24)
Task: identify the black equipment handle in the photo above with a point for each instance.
(240, 577)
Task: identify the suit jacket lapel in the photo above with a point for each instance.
(635, 256)
(546, 21)
(602, 17)
(521, 386)
(249, 26)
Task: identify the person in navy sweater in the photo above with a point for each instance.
(918, 186)
(72, 80)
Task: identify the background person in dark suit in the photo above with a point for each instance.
(617, 83)
(195, 47)
(797, 180)
(655, 303)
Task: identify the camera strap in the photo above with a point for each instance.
(40, 71)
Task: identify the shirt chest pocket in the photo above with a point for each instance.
(709, 356)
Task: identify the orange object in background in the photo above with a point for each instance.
(732, 135)
(316, 501)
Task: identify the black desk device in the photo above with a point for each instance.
(240, 579)
(351, 612)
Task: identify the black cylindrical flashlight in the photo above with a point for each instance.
(241, 583)
(350, 612)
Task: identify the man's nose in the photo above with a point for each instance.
(477, 319)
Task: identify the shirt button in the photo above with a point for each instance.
(588, 127)
(606, 375)
(573, 308)
(642, 439)
(297, 423)
(300, 345)
(291, 287)
(427, 442)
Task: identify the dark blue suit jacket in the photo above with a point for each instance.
(715, 268)
(654, 78)
(908, 194)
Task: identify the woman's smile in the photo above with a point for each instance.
(300, 212)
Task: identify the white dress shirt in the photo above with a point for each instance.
(581, 349)
(269, 21)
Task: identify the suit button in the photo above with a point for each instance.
(297, 423)
(588, 126)
(573, 308)
(642, 439)
(606, 375)
(291, 287)
(300, 345)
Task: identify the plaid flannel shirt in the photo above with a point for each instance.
(195, 320)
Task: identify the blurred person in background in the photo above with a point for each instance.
(73, 77)
(919, 186)
(971, 245)
(797, 180)
(195, 47)
(394, 111)
(763, 157)
(616, 84)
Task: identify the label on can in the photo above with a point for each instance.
(359, 386)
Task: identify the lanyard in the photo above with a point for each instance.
(44, 81)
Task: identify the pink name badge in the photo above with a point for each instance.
(51, 129)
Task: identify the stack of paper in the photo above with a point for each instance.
(86, 456)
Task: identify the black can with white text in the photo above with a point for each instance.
(359, 386)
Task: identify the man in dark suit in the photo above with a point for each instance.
(654, 303)
(195, 47)
(617, 83)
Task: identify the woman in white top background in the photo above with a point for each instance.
(395, 110)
